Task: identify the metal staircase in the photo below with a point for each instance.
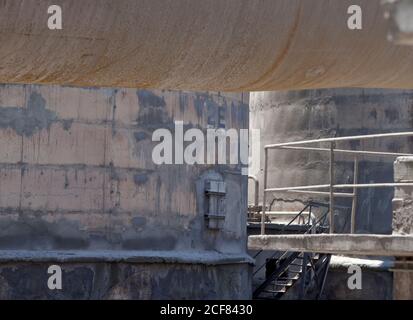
(303, 272)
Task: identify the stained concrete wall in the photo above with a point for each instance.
(376, 285)
(123, 281)
(403, 225)
(300, 115)
(376, 279)
(76, 172)
(403, 198)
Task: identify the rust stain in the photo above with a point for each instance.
(281, 57)
(50, 35)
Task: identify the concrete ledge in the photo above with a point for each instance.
(123, 256)
(343, 262)
(125, 275)
(345, 244)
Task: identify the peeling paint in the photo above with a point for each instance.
(140, 179)
(27, 121)
(140, 136)
(149, 99)
(89, 183)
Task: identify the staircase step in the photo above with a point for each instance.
(295, 271)
(296, 264)
(300, 264)
(275, 291)
(296, 277)
(301, 259)
(283, 283)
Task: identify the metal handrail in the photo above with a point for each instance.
(357, 152)
(256, 189)
(290, 257)
(342, 186)
(340, 139)
(311, 226)
(298, 145)
(298, 215)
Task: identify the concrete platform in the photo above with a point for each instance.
(344, 244)
(125, 275)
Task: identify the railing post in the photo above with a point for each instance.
(256, 189)
(264, 198)
(303, 276)
(323, 282)
(354, 204)
(332, 146)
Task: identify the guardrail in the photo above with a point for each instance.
(256, 189)
(331, 186)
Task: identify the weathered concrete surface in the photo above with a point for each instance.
(126, 281)
(120, 274)
(403, 198)
(204, 44)
(403, 284)
(76, 173)
(312, 114)
(345, 262)
(403, 224)
(376, 285)
(210, 258)
(376, 281)
(345, 244)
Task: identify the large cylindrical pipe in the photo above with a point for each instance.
(205, 44)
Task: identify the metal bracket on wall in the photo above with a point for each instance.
(215, 206)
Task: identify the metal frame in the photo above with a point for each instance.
(313, 225)
(256, 189)
(313, 189)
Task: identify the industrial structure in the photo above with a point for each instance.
(297, 174)
(214, 45)
(331, 185)
(79, 189)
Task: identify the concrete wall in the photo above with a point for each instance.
(376, 285)
(103, 280)
(403, 197)
(403, 225)
(300, 115)
(76, 173)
